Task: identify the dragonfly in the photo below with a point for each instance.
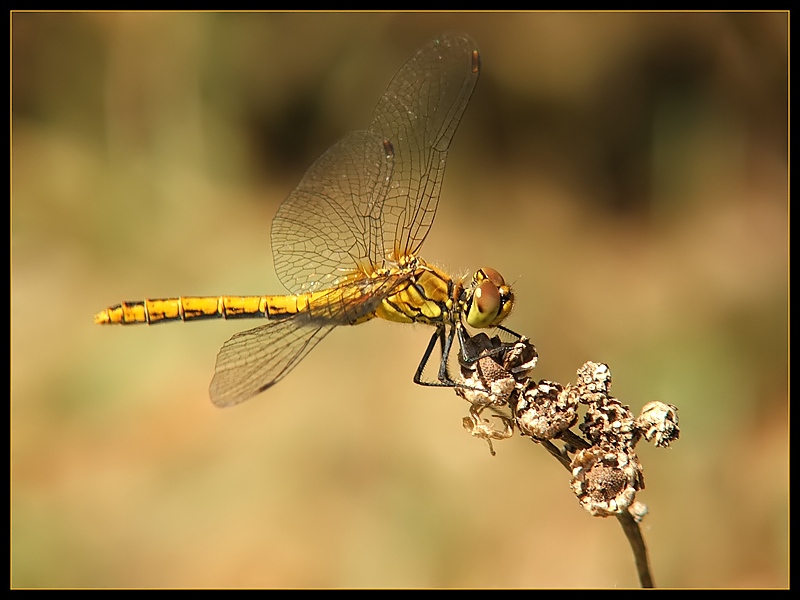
(345, 242)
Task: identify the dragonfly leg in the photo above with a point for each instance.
(447, 345)
(445, 340)
(469, 352)
(425, 357)
(517, 336)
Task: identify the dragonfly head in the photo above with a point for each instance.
(489, 299)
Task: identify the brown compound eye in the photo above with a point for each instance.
(491, 300)
(485, 306)
(487, 297)
(493, 276)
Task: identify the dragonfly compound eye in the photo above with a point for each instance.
(485, 305)
(491, 275)
(491, 300)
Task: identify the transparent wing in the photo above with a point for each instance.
(254, 360)
(369, 198)
(372, 196)
(330, 224)
(419, 113)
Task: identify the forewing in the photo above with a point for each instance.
(330, 224)
(419, 114)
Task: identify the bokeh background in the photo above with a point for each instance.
(628, 172)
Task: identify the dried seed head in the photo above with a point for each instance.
(486, 383)
(546, 410)
(659, 422)
(494, 377)
(606, 481)
(610, 423)
(521, 358)
(594, 377)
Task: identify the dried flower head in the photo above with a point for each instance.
(546, 409)
(609, 422)
(485, 380)
(594, 377)
(494, 375)
(520, 358)
(659, 422)
(606, 480)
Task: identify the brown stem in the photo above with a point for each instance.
(626, 520)
(635, 539)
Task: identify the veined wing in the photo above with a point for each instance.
(254, 360)
(419, 114)
(372, 197)
(330, 225)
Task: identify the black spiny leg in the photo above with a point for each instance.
(467, 353)
(446, 342)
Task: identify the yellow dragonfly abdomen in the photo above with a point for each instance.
(421, 295)
(190, 308)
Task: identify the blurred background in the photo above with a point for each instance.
(627, 172)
